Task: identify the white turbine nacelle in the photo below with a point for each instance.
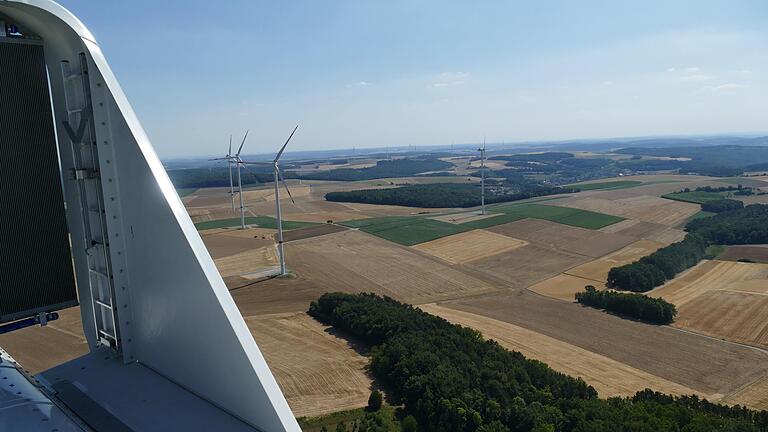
(176, 354)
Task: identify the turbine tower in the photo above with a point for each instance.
(239, 163)
(278, 179)
(482, 177)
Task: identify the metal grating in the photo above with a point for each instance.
(35, 259)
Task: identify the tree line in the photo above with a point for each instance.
(747, 225)
(437, 195)
(452, 380)
(644, 308)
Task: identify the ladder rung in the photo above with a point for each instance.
(103, 332)
(75, 111)
(98, 273)
(102, 304)
(72, 76)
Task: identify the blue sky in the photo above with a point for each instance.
(401, 72)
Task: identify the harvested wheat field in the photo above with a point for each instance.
(703, 364)
(597, 270)
(754, 396)
(757, 253)
(644, 208)
(250, 261)
(552, 235)
(563, 286)
(225, 243)
(41, 348)
(723, 299)
(313, 231)
(470, 246)
(609, 377)
(353, 261)
(318, 372)
(526, 265)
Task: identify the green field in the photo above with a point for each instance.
(695, 197)
(564, 215)
(713, 251)
(185, 191)
(618, 184)
(407, 230)
(260, 221)
(412, 230)
(735, 180)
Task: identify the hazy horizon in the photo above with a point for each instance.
(368, 74)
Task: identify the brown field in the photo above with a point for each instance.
(353, 261)
(524, 266)
(563, 286)
(556, 236)
(248, 262)
(609, 377)
(755, 253)
(644, 208)
(41, 348)
(723, 299)
(703, 364)
(597, 270)
(231, 242)
(754, 396)
(318, 372)
(646, 230)
(470, 246)
(313, 231)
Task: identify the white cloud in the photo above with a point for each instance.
(693, 69)
(697, 77)
(727, 87)
(448, 79)
(608, 83)
(672, 69)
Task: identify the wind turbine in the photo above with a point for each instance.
(239, 163)
(482, 177)
(230, 159)
(278, 179)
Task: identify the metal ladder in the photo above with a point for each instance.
(81, 129)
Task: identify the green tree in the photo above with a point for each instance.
(410, 424)
(374, 401)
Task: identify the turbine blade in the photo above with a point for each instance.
(282, 180)
(230, 145)
(242, 144)
(280, 153)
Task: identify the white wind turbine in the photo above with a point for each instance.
(229, 158)
(482, 177)
(278, 179)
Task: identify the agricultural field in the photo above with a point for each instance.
(616, 184)
(578, 241)
(609, 377)
(318, 372)
(758, 253)
(724, 299)
(353, 261)
(644, 208)
(406, 230)
(470, 246)
(258, 221)
(705, 365)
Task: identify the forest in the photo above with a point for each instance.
(438, 195)
(722, 205)
(747, 225)
(452, 380)
(219, 176)
(644, 308)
